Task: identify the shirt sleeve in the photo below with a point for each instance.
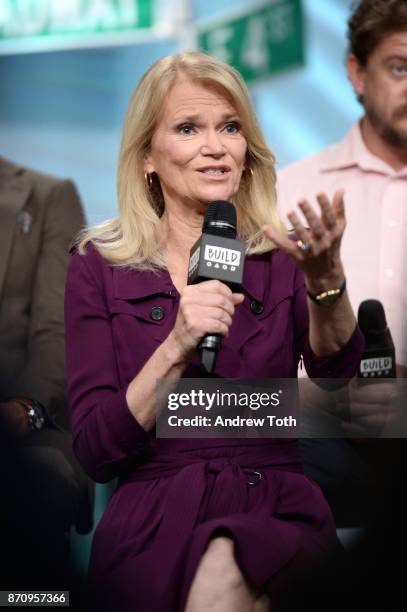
(342, 364)
(107, 437)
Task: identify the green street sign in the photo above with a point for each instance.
(260, 42)
(50, 24)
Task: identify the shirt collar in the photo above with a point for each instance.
(352, 151)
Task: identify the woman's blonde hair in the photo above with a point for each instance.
(134, 237)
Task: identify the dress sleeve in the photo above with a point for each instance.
(107, 437)
(343, 363)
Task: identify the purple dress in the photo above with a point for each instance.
(174, 495)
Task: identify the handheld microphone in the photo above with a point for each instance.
(378, 360)
(217, 255)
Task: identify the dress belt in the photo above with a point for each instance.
(159, 465)
(184, 498)
(190, 482)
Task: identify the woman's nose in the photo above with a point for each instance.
(212, 144)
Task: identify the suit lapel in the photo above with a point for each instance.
(15, 187)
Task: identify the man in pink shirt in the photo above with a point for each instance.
(370, 164)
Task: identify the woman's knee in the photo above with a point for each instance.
(219, 561)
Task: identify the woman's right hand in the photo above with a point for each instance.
(204, 308)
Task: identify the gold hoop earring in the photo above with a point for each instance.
(148, 179)
(250, 170)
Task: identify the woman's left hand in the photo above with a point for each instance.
(317, 250)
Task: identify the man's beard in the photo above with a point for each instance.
(393, 136)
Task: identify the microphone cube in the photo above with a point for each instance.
(217, 257)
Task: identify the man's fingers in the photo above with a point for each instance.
(362, 409)
(371, 426)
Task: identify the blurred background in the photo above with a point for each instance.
(61, 110)
(68, 69)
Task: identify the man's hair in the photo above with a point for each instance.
(371, 21)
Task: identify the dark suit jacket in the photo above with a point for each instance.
(39, 217)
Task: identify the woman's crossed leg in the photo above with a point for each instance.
(220, 586)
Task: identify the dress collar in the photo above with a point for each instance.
(130, 284)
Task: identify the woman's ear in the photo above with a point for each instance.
(148, 163)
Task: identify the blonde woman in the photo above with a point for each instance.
(186, 528)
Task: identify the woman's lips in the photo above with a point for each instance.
(215, 172)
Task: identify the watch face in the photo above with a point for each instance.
(38, 421)
(35, 417)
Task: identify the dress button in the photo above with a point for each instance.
(256, 307)
(157, 313)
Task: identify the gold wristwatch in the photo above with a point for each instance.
(329, 297)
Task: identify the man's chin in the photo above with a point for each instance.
(393, 131)
(396, 138)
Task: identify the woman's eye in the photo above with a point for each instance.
(232, 127)
(399, 69)
(186, 129)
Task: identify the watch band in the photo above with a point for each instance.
(36, 413)
(326, 298)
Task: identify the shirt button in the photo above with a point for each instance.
(256, 307)
(389, 273)
(157, 313)
(392, 223)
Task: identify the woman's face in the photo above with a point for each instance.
(198, 150)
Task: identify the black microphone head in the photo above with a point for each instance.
(371, 318)
(379, 358)
(220, 219)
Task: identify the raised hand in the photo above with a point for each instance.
(317, 248)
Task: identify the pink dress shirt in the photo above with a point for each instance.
(376, 211)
